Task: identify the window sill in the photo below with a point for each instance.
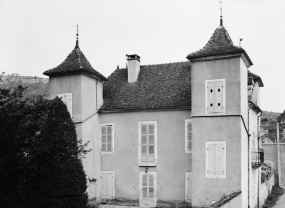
(107, 153)
(147, 164)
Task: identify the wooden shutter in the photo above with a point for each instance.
(103, 138)
(216, 159)
(151, 143)
(188, 187)
(211, 160)
(109, 138)
(144, 143)
(219, 93)
(148, 189)
(107, 185)
(220, 159)
(188, 136)
(210, 97)
(67, 100)
(147, 144)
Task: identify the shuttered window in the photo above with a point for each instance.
(147, 144)
(188, 187)
(188, 136)
(107, 185)
(215, 96)
(107, 138)
(148, 189)
(216, 159)
(67, 100)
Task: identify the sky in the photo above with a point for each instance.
(37, 35)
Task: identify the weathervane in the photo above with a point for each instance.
(221, 17)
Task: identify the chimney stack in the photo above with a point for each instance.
(133, 67)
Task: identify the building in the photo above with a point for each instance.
(167, 135)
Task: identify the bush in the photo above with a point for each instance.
(266, 171)
(39, 165)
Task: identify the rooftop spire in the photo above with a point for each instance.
(221, 17)
(77, 46)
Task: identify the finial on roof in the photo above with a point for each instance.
(240, 42)
(221, 17)
(77, 46)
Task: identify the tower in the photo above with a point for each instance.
(219, 120)
(81, 88)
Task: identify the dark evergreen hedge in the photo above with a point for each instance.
(39, 165)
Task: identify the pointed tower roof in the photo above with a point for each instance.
(219, 44)
(75, 63)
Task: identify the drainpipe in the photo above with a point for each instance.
(259, 158)
(249, 161)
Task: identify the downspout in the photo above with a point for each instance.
(248, 159)
(259, 158)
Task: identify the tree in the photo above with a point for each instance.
(39, 165)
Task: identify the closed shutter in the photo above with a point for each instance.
(148, 189)
(219, 96)
(144, 143)
(215, 159)
(188, 136)
(210, 97)
(188, 187)
(107, 185)
(220, 159)
(107, 140)
(103, 138)
(147, 143)
(67, 100)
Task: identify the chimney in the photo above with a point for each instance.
(133, 67)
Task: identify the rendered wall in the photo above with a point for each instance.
(172, 161)
(228, 129)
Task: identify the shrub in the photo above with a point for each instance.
(266, 171)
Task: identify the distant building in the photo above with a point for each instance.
(16, 77)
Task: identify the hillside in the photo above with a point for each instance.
(271, 116)
(33, 89)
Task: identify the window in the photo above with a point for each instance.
(147, 144)
(148, 189)
(67, 100)
(216, 159)
(188, 136)
(107, 138)
(215, 96)
(108, 185)
(188, 187)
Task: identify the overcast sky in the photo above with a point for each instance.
(37, 35)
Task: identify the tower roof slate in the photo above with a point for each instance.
(220, 43)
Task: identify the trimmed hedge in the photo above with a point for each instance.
(39, 165)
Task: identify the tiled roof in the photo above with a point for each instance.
(158, 86)
(75, 62)
(219, 44)
(255, 78)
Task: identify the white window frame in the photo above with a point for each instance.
(186, 136)
(224, 96)
(61, 95)
(113, 130)
(225, 156)
(186, 186)
(155, 188)
(155, 143)
(108, 172)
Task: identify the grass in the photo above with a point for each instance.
(273, 197)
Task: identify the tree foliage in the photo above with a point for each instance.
(39, 165)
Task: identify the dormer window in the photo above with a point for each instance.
(215, 96)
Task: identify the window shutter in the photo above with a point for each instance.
(144, 191)
(219, 96)
(188, 187)
(151, 143)
(210, 97)
(109, 139)
(144, 143)
(104, 138)
(220, 159)
(189, 136)
(151, 191)
(211, 157)
(107, 185)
